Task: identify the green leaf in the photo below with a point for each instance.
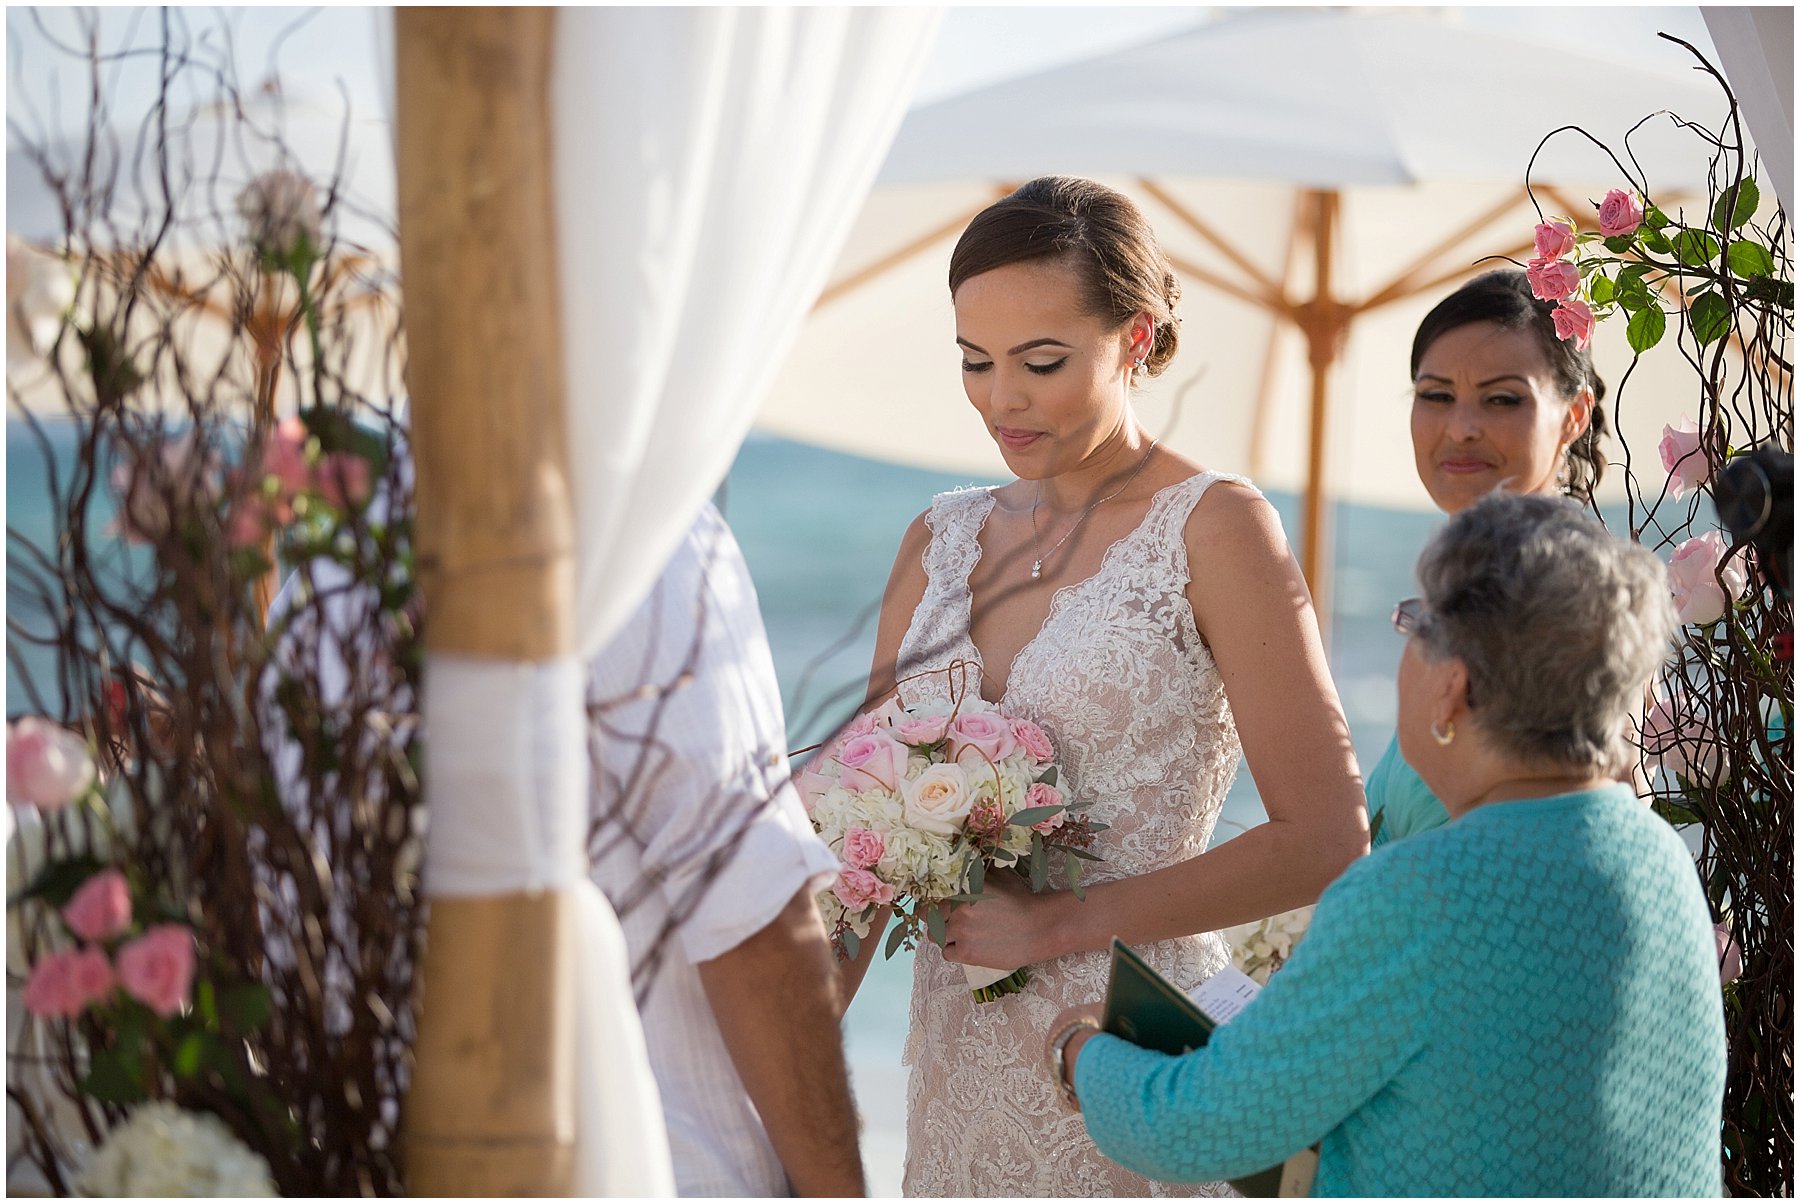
(852, 943)
(1081, 853)
(1749, 259)
(206, 1003)
(1645, 330)
(977, 875)
(246, 1007)
(1619, 244)
(1375, 822)
(1027, 816)
(934, 925)
(1710, 317)
(1735, 206)
(57, 882)
(1049, 778)
(894, 938)
(114, 1079)
(1656, 242)
(1074, 868)
(1601, 290)
(1655, 218)
(1696, 248)
(189, 1056)
(1040, 864)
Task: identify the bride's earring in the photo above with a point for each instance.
(1444, 737)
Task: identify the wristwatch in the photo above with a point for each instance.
(1059, 1063)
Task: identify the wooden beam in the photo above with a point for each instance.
(491, 1110)
(1406, 284)
(894, 259)
(1266, 292)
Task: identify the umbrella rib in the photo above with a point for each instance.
(894, 259)
(1406, 283)
(1271, 296)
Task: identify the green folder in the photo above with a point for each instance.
(1151, 1012)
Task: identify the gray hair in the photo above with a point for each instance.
(1559, 623)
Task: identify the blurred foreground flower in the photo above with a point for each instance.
(281, 209)
(1262, 947)
(46, 765)
(163, 1150)
(1684, 458)
(1695, 571)
(1731, 959)
(1678, 739)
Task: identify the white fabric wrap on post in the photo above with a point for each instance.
(506, 760)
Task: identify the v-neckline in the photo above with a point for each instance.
(1056, 598)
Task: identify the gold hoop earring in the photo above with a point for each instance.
(1444, 737)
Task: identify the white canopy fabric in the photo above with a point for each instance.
(1421, 128)
(1756, 52)
(708, 163)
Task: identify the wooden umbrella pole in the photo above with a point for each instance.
(492, 1100)
(1324, 325)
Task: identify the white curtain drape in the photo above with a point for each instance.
(709, 163)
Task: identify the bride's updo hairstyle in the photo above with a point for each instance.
(1504, 298)
(1096, 231)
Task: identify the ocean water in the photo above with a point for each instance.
(819, 530)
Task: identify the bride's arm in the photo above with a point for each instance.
(905, 587)
(1253, 607)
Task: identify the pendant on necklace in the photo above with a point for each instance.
(1037, 569)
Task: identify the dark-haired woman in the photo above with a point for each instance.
(1147, 614)
(1499, 402)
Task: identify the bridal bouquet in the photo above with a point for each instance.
(919, 804)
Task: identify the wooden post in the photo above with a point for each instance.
(1324, 328)
(491, 1111)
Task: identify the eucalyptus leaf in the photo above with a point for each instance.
(1074, 868)
(934, 925)
(852, 943)
(894, 938)
(1072, 851)
(977, 876)
(1645, 330)
(1040, 864)
(1749, 259)
(1027, 816)
(1049, 776)
(1710, 317)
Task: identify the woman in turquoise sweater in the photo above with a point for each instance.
(1499, 402)
(1523, 1002)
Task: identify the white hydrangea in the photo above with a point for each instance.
(838, 810)
(1263, 946)
(163, 1150)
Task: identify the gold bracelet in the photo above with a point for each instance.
(1059, 1065)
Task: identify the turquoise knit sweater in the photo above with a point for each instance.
(1524, 1002)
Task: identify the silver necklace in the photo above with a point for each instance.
(1037, 566)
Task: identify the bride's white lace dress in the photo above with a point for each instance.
(1121, 680)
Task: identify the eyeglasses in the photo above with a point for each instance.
(1409, 613)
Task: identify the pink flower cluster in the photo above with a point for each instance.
(1554, 277)
(265, 496)
(156, 969)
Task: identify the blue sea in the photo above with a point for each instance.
(819, 530)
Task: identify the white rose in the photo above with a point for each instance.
(939, 799)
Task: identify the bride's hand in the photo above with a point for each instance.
(1009, 928)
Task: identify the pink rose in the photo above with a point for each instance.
(863, 847)
(1041, 795)
(1677, 738)
(1731, 958)
(342, 479)
(889, 713)
(157, 969)
(812, 787)
(1620, 213)
(1574, 320)
(46, 766)
(862, 725)
(64, 984)
(856, 889)
(1695, 584)
(872, 760)
(101, 909)
(1684, 457)
(1552, 279)
(1034, 741)
(923, 729)
(1555, 238)
(981, 736)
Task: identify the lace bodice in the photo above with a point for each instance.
(1121, 679)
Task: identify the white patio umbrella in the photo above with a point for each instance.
(1319, 178)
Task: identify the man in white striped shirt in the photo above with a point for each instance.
(702, 845)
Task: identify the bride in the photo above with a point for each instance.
(1146, 613)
